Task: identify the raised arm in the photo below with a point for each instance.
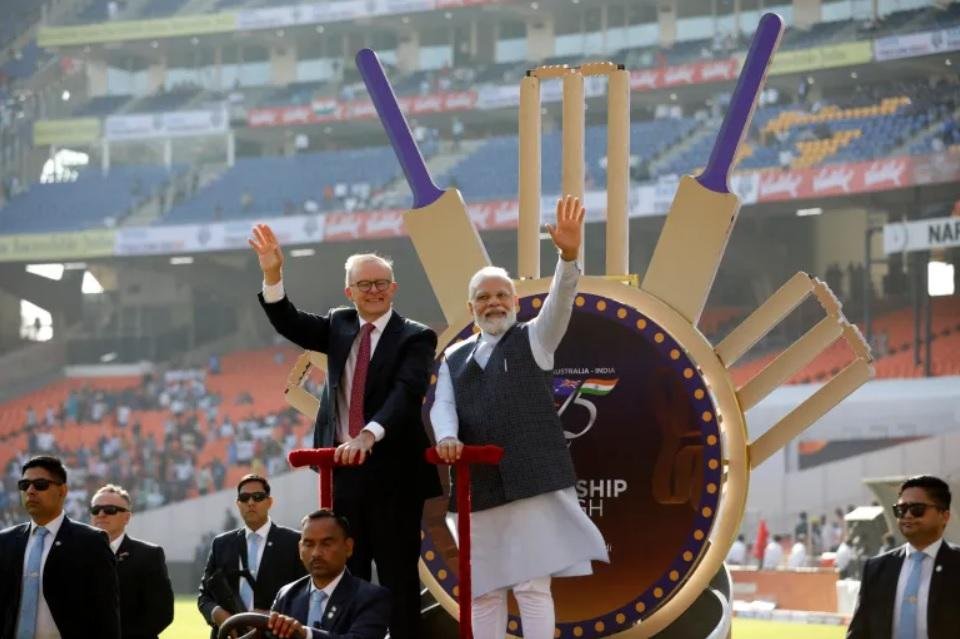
(269, 253)
(549, 326)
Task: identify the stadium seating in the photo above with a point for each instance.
(275, 184)
(491, 172)
(94, 200)
(243, 396)
(897, 358)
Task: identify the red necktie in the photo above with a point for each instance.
(360, 381)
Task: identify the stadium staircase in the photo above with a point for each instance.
(397, 193)
(700, 134)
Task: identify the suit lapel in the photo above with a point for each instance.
(888, 585)
(300, 602)
(945, 567)
(338, 601)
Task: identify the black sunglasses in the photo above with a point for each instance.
(257, 497)
(40, 484)
(917, 509)
(109, 509)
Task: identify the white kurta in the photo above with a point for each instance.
(545, 535)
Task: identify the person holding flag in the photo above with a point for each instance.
(497, 387)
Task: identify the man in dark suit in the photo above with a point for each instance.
(329, 603)
(911, 592)
(375, 423)
(263, 549)
(146, 596)
(57, 576)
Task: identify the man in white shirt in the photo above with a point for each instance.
(496, 388)
(798, 553)
(773, 554)
(737, 556)
(911, 592)
(329, 602)
(57, 576)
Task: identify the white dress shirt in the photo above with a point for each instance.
(923, 595)
(274, 293)
(115, 544)
(328, 590)
(260, 532)
(546, 331)
(46, 628)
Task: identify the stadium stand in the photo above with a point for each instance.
(94, 200)
(197, 431)
(254, 186)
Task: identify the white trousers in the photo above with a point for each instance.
(536, 611)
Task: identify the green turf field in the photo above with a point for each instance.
(187, 624)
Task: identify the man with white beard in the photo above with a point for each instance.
(497, 388)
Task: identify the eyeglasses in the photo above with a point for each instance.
(109, 509)
(257, 497)
(367, 285)
(917, 509)
(40, 484)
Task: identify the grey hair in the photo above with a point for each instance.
(360, 258)
(113, 489)
(489, 272)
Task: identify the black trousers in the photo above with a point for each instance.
(385, 521)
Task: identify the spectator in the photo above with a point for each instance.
(738, 552)
(773, 554)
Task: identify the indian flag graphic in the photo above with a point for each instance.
(596, 386)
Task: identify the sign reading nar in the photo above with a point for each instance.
(922, 235)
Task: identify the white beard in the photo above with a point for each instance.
(496, 326)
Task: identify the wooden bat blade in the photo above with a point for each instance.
(449, 248)
(691, 245)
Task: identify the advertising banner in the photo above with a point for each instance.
(910, 45)
(685, 74)
(130, 30)
(66, 131)
(139, 126)
(56, 246)
(835, 179)
(217, 236)
(826, 57)
(324, 110)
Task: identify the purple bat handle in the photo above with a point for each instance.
(735, 123)
(385, 100)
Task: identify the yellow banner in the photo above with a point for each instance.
(67, 131)
(834, 55)
(127, 30)
(56, 246)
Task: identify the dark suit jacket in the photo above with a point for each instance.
(873, 618)
(79, 581)
(357, 609)
(146, 596)
(279, 565)
(396, 383)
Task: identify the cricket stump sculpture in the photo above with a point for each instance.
(656, 424)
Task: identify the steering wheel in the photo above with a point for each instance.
(254, 622)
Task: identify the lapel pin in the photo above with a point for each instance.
(56, 543)
(269, 543)
(939, 568)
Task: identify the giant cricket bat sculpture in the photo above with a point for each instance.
(446, 241)
(704, 210)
